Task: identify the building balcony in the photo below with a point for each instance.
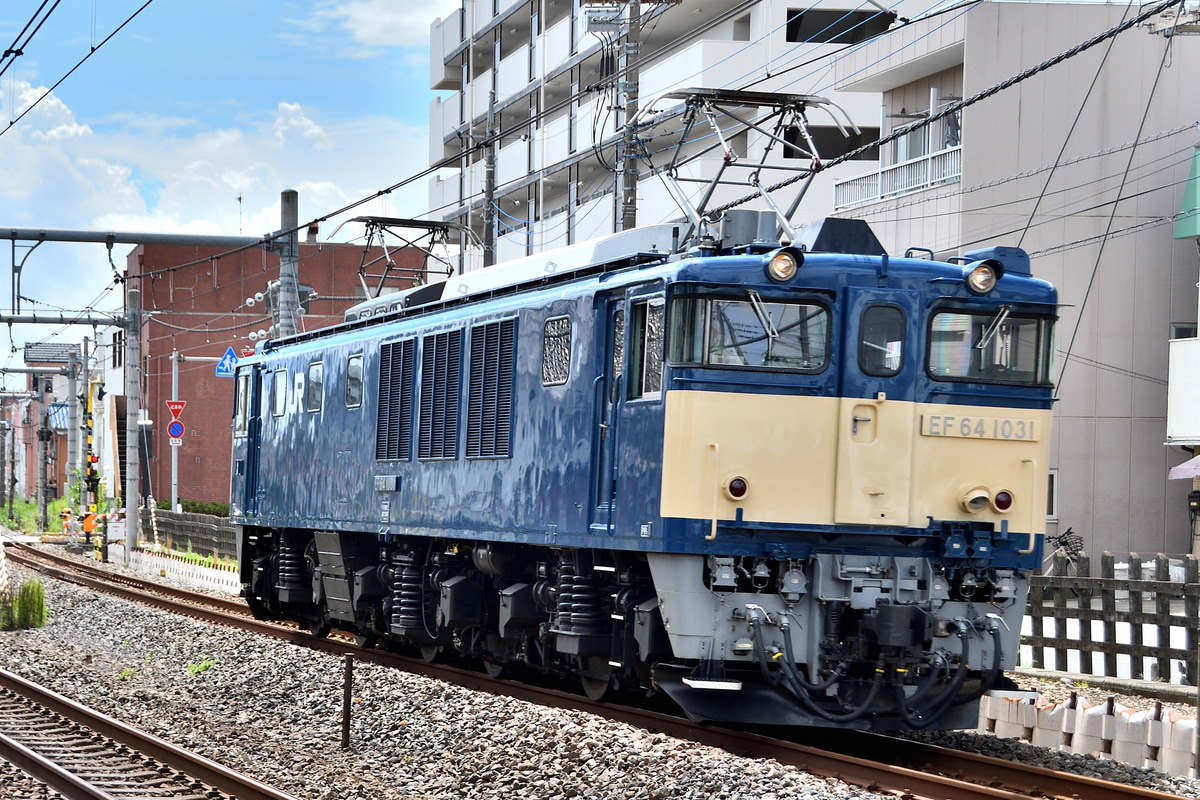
(935, 169)
(445, 35)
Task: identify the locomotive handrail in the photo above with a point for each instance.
(716, 448)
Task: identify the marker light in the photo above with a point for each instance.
(737, 488)
(982, 275)
(782, 266)
(1003, 500)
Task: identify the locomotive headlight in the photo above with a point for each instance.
(975, 500)
(782, 266)
(981, 276)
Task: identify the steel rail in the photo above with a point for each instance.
(202, 769)
(896, 765)
(69, 785)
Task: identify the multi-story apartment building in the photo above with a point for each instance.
(1083, 165)
(552, 79)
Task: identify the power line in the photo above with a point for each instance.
(16, 49)
(71, 71)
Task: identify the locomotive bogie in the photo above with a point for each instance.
(798, 490)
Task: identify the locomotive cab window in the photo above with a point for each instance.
(881, 341)
(749, 332)
(646, 350)
(241, 405)
(279, 392)
(314, 391)
(997, 346)
(354, 381)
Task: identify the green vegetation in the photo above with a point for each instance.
(197, 507)
(196, 669)
(128, 674)
(26, 608)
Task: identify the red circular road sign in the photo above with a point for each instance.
(175, 429)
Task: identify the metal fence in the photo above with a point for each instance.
(1137, 618)
(196, 533)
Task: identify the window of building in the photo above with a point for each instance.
(314, 392)
(118, 349)
(489, 390)
(646, 350)
(910, 146)
(881, 341)
(556, 351)
(1052, 497)
(441, 363)
(279, 392)
(1183, 330)
(831, 26)
(393, 428)
(354, 381)
(830, 143)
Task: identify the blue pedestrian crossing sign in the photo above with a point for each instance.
(227, 364)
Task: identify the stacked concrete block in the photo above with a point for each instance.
(1151, 738)
(1177, 755)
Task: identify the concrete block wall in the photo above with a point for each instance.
(1154, 738)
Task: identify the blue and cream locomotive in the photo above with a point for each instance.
(786, 485)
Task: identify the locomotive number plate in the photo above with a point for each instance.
(1017, 430)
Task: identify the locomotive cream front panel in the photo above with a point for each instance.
(852, 461)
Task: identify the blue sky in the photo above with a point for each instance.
(192, 105)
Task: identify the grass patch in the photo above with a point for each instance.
(26, 608)
(196, 669)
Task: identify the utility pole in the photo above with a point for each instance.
(85, 430)
(489, 185)
(43, 434)
(133, 356)
(3, 452)
(289, 288)
(72, 464)
(12, 466)
(629, 170)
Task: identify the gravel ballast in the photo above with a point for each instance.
(273, 711)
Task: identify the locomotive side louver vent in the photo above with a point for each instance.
(489, 392)
(393, 432)
(441, 362)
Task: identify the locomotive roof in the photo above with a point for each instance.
(652, 243)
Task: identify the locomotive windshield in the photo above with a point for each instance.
(749, 332)
(998, 346)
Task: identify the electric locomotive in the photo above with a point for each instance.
(797, 484)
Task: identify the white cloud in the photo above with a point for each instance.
(382, 23)
(291, 117)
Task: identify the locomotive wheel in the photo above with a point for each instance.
(366, 640)
(494, 669)
(318, 628)
(598, 682)
(429, 652)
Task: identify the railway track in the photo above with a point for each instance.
(84, 755)
(907, 769)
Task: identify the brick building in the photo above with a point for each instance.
(196, 304)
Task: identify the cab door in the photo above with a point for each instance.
(607, 388)
(247, 438)
(876, 416)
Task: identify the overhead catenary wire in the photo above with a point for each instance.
(955, 107)
(79, 64)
